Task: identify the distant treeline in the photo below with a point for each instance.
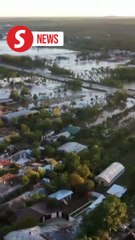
(119, 76)
(23, 61)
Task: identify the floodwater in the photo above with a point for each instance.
(51, 89)
(65, 58)
(106, 114)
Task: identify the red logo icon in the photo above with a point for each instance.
(20, 38)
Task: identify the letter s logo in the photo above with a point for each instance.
(20, 38)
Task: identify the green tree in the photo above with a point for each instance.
(25, 180)
(25, 92)
(14, 95)
(106, 218)
(75, 85)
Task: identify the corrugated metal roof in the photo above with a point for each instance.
(111, 172)
(61, 194)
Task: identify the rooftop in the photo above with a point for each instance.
(20, 113)
(61, 194)
(25, 234)
(117, 190)
(72, 147)
(5, 163)
(7, 177)
(111, 172)
(71, 129)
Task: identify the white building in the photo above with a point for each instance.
(61, 195)
(72, 147)
(117, 190)
(110, 174)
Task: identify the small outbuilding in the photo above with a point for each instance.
(117, 190)
(110, 174)
(61, 195)
(72, 147)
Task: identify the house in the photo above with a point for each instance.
(23, 154)
(27, 234)
(24, 112)
(5, 164)
(8, 178)
(63, 134)
(117, 190)
(61, 195)
(73, 130)
(48, 136)
(48, 167)
(110, 174)
(22, 161)
(72, 147)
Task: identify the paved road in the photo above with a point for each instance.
(43, 73)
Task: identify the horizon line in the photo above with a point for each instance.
(117, 16)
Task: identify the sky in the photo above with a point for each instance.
(67, 8)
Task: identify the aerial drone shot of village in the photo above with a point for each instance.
(67, 125)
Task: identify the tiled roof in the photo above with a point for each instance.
(7, 177)
(5, 163)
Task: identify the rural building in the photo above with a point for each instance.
(110, 174)
(61, 195)
(27, 234)
(8, 178)
(63, 134)
(73, 130)
(24, 112)
(72, 147)
(4, 164)
(48, 167)
(117, 190)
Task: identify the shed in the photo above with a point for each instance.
(110, 174)
(61, 194)
(72, 147)
(73, 130)
(117, 190)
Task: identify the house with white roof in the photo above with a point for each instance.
(61, 195)
(117, 190)
(72, 147)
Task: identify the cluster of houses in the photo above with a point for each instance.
(70, 207)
